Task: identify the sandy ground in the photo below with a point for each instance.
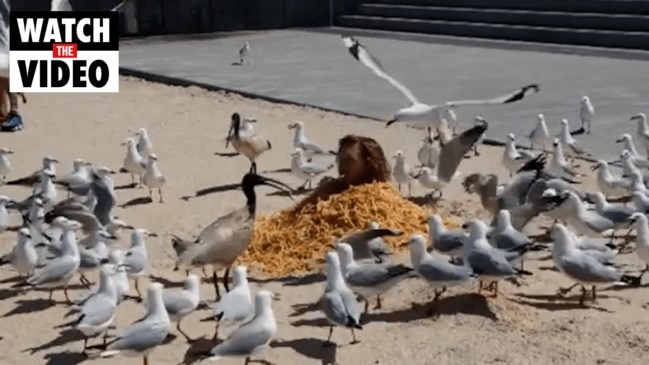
(526, 325)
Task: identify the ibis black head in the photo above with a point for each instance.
(250, 180)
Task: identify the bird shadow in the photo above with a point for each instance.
(236, 64)
(8, 293)
(29, 306)
(292, 280)
(212, 190)
(65, 358)
(66, 336)
(226, 154)
(313, 322)
(423, 201)
(13, 279)
(198, 350)
(556, 303)
(125, 186)
(303, 308)
(166, 282)
(137, 201)
(282, 170)
(312, 348)
(468, 303)
(548, 268)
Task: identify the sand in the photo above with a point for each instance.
(525, 325)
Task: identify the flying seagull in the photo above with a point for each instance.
(423, 114)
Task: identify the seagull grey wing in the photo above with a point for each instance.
(313, 148)
(441, 270)
(527, 155)
(490, 262)
(450, 241)
(314, 169)
(618, 215)
(243, 341)
(587, 269)
(98, 309)
(597, 222)
(361, 54)
(176, 302)
(369, 234)
(89, 259)
(512, 240)
(512, 97)
(88, 220)
(453, 152)
(141, 336)
(491, 184)
(54, 270)
(372, 275)
(105, 201)
(334, 308)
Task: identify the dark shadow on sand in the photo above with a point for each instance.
(312, 348)
(65, 358)
(126, 186)
(212, 190)
(469, 303)
(300, 309)
(66, 336)
(137, 201)
(166, 282)
(198, 350)
(226, 154)
(29, 306)
(557, 303)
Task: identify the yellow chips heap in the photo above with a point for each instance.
(294, 242)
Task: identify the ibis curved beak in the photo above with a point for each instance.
(276, 184)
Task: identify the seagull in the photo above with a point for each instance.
(586, 113)
(369, 279)
(35, 177)
(580, 266)
(339, 302)
(79, 176)
(236, 305)
(513, 159)
(573, 148)
(301, 141)
(134, 163)
(447, 242)
(180, 303)
(450, 157)
(4, 214)
(252, 337)
(306, 170)
(540, 136)
(5, 163)
(23, 256)
(369, 243)
(418, 113)
(586, 222)
(643, 130)
(642, 240)
(401, 171)
(144, 146)
(608, 184)
(428, 153)
(619, 215)
(136, 260)
(641, 202)
(244, 54)
(637, 158)
(558, 164)
(153, 178)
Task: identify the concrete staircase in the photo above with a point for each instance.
(599, 23)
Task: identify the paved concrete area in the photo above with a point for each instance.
(315, 68)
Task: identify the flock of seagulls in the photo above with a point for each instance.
(50, 250)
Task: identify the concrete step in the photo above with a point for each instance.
(633, 7)
(585, 37)
(631, 23)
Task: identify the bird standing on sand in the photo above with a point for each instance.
(144, 145)
(642, 131)
(251, 146)
(306, 170)
(586, 113)
(228, 237)
(301, 141)
(236, 305)
(401, 171)
(153, 178)
(5, 163)
(540, 136)
(180, 303)
(134, 164)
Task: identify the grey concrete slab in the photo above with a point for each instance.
(315, 68)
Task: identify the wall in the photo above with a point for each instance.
(197, 16)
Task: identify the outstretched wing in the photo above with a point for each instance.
(362, 55)
(453, 152)
(503, 99)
